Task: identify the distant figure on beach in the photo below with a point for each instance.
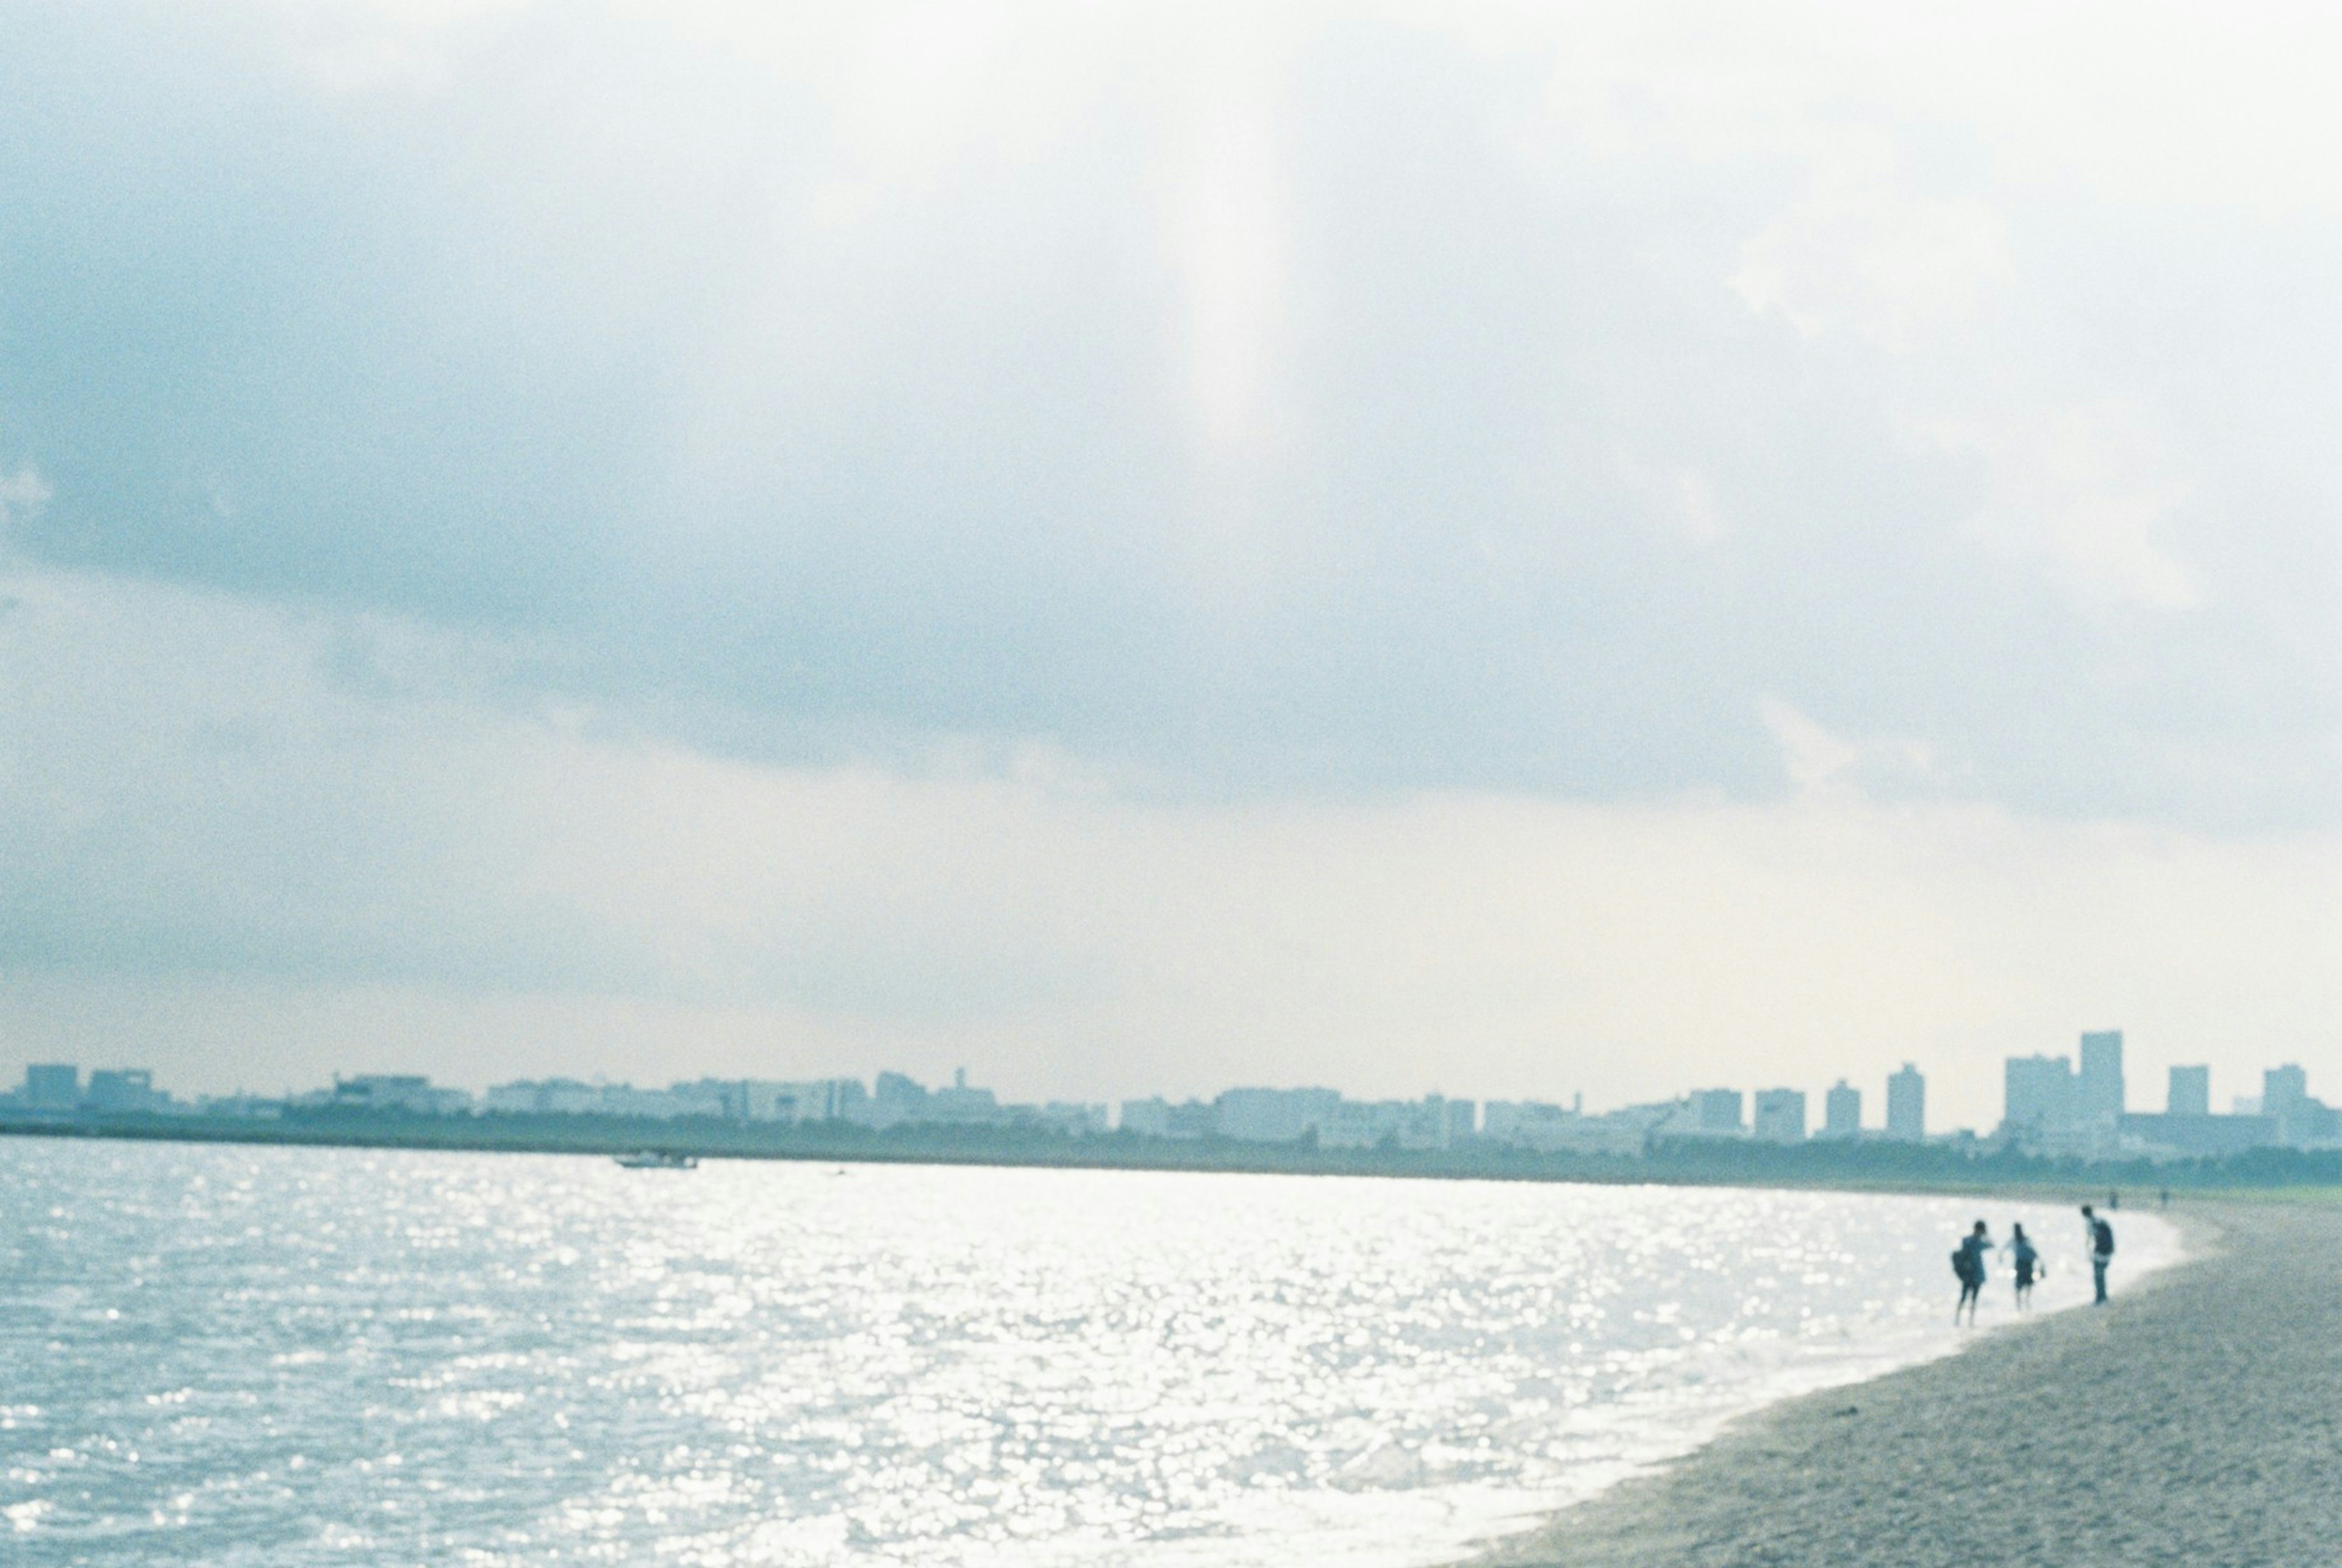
(2027, 1259)
(1967, 1264)
(2102, 1249)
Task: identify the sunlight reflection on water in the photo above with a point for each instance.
(290, 1356)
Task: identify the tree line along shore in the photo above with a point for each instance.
(1869, 1164)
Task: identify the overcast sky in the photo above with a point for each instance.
(1507, 549)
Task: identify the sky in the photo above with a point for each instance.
(1513, 550)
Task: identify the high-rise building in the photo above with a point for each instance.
(2285, 1094)
(1781, 1116)
(1906, 1106)
(125, 1089)
(1842, 1112)
(1716, 1110)
(2191, 1092)
(2101, 1082)
(2038, 1093)
(52, 1086)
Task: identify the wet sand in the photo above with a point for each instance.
(2196, 1420)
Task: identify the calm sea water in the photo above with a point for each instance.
(294, 1356)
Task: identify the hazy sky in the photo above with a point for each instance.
(1500, 548)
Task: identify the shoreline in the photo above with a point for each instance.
(2190, 1421)
(1908, 1169)
(2184, 1241)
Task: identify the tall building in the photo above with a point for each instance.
(1842, 1112)
(125, 1089)
(2191, 1093)
(52, 1086)
(1906, 1106)
(2101, 1083)
(2038, 1093)
(1781, 1116)
(1716, 1110)
(2285, 1094)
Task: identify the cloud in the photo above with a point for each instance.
(199, 811)
(1239, 405)
(1157, 548)
(22, 493)
(1902, 270)
(2086, 493)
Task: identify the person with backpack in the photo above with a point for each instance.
(2101, 1250)
(2027, 1259)
(1968, 1267)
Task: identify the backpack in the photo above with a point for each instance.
(2102, 1238)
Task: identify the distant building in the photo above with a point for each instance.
(1906, 1106)
(51, 1086)
(2191, 1093)
(961, 1105)
(1565, 1129)
(819, 1100)
(2100, 1085)
(1780, 1115)
(1272, 1115)
(1715, 1110)
(127, 1091)
(1842, 1112)
(1156, 1117)
(2196, 1135)
(2301, 1119)
(1074, 1120)
(2284, 1091)
(897, 1098)
(395, 1093)
(2038, 1094)
(545, 1097)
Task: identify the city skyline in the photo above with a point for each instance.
(2047, 1103)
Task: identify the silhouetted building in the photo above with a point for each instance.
(1716, 1110)
(394, 1093)
(1906, 1106)
(1273, 1115)
(2301, 1119)
(52, 1086)
(2284, 1091)
(2199, 1136)
(127, 1091)
(2101, 1081)
(2191, 1093)
(1781, 1116)
(1842, 1112)
(2038, 1094)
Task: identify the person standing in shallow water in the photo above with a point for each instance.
(2101, 1250)
(1968, 1263)
(2027, 1259)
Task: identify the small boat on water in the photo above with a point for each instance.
(657, 1160)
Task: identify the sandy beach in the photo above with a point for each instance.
(2196, 1420)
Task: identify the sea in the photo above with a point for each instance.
(265, 1356)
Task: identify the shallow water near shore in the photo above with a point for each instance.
(281, 1356)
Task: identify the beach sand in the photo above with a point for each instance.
(2196, 1420)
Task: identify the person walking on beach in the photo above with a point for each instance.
(2101, 1250)
(2027, 1259)
(1967, 1264)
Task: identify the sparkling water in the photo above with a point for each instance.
(279, 1356)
